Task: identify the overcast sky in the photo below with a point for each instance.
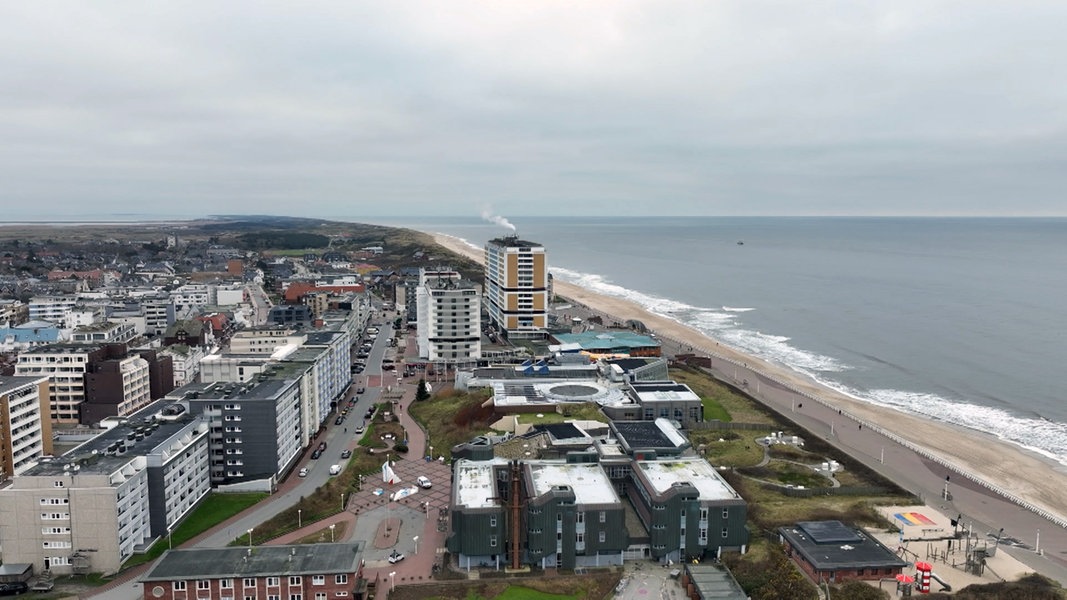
(533, 108)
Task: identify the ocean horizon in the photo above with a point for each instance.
(955, 319)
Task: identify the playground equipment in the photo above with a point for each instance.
(924, 573)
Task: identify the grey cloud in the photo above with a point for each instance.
(636, 107)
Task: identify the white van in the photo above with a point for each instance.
(335, 469)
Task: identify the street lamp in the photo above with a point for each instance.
(342, 501)
(299, 523)
(250, 530)
(331, 532)
(431, 453)
(416, 540)
(392, 582)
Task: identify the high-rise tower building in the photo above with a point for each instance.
(516, 287)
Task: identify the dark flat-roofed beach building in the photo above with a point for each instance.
(832, 551)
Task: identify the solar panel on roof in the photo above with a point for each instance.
(829, 532)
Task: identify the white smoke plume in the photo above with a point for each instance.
(488, 215)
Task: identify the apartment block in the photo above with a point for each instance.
(25, 435)
(94, 507)
(516, 287)
(448, 314)
(255, 432)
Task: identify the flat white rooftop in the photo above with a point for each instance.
(664, 473)
(521, 392)
(474, 483)
(589, 482)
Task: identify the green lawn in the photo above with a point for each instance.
(521, 593)
(215, 509)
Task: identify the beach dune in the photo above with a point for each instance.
(1027, 481)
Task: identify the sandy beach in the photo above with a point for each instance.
(1026, 479)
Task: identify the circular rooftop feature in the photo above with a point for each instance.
(574, 390)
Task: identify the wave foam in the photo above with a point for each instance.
(719, 324)
(735, 309)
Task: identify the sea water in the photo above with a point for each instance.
(958, 319)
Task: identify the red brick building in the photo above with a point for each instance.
(832, 551)
(307, 571)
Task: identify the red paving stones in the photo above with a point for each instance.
(420, 514)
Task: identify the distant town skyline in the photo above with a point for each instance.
(371, 109)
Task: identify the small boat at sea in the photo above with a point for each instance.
(740, 243)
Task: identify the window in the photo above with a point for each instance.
(342, 578)
(492, 541)
(179, 586)
(273, 581)
(295, 596)
(492, 521)
(579, 517)
(320, 595)
(603, 537)
(726, 513)
(294, 580)
(603, 516)
(203, 584)
(248, 582)
(725, 532)
(318, 580)
(57, 484)
(226, 584)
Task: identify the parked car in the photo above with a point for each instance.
(335, 469)
(316, 454)
(396, 557)
(322, 446)
(15, 588)
(303, 472)
(346, 454)
(424, 482)
(339, 420)
(360, 429)
(361, 390)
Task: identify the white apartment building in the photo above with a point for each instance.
(159, 313)
(104, 333)
(448, 312)
(194, 295)
(94, 507)
(264, 341)
(53, 309)
(65, 366)
(516, 287)
(333, 366)
(185, 361)
(25, 436)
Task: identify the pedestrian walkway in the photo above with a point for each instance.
(423, 514)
